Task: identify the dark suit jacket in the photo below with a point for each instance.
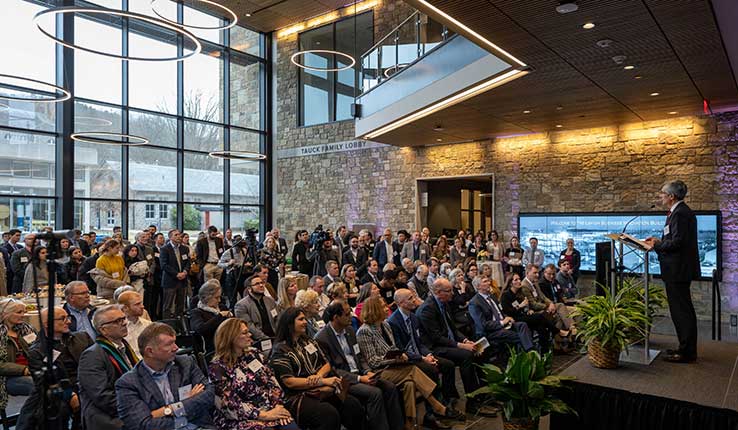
(330, 346)
(84, 247)
(434, 333)
(402, 337)
(169, 267)
(677, 251)
(368, 278)
(202, 250)
(97, 378)
(359, 262)
(205, 323)
(138, 395)
(380, 254)
(282, 246)
(397, 248)
(487, 321)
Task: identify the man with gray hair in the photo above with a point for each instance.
(77, 296)
(101, 365)
(419, 282)
(680, 264)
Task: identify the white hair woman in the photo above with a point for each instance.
(16, 337)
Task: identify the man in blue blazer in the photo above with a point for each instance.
(384, 250)
(490, 322)
(175, 265)
(406, 331)
(164, 390)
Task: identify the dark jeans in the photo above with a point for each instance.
(465, 361)
(313, 414)
(382, 404)
(447, 369)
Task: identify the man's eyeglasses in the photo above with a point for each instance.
(66, 318)
(119, 321)
(81, 293)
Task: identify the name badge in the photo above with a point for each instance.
(149, 257)
(220, 250)
(388, 294)
(116, 275)
(310, 348)
(184, 257)
(516, 304)
(30, 338)
(240, 376)
(357, 350)
(24, 259)
(156, 254)
(422, 252)
(266, 345)
(184, 392)
(535, 293)
(463, 254)
(417, 332)
(512, 254)
(255, 366)
(274, 313)
(321, 324)
(395, 253)
(666, 229)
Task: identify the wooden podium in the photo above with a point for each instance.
(636, 354)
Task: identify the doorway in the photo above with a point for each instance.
(446, 204)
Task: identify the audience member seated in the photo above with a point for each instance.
(286, 292)
(16, 338)
(387, 285)
(372, 275)
(338, 293)
(316, 284)
(307, 301)
(247, 394)
(348, 277)
(516, 305)
(459, 304)
(133, 307)
(69, 347)
(377, 343)
(434, 272)
(574, 258)
(441, 251)
(367, 290)
(333, 273)
(42, 273)
(566, 280)
(110, 270)
(77, 305)
(258, 310)
(550, 286)
(538, 301)
(164, 390)
(308, 380)
(443, 338)
(406, 332)
(419, 282)
(101, 365)
(491, 322)
(205, 319)
(338, 341)
(514, 257)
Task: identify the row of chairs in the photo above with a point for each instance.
(189, 342)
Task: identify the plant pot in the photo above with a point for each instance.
(519, 423)
(603, 358)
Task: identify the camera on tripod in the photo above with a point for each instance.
(318, 236)
(250, 236)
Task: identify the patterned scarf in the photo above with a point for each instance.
(117, 360)
(21, 329)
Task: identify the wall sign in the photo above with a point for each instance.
(327, 148)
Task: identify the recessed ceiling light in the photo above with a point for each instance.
(559, 125)
(566, 7)
(526, 111)
(673, 112)
(248, 15)
(629, 67)
(604, 43)
(654, 94)
(588, 26)
(439, 127)
(637, 77)
(559, 107)
(439, 140)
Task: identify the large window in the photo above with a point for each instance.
(213, 101)
(327, 96)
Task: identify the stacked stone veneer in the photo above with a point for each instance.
(618, 168)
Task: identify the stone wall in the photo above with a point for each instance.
(603, 169)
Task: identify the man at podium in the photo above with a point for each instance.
(679, 261)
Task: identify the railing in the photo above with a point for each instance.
(412, 39)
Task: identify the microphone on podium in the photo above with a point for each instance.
(634, 218)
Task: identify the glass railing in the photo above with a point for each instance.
(416, 36)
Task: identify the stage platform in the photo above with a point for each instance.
(696, 396)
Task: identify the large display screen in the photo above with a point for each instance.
(552, 230)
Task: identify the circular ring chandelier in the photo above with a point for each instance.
(233, 20)
(123, 14)
(321, 51)
(394, 69)
(90, 121)
(65, 94)
(103, 138)
(238, 155)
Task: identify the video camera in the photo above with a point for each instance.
(318, 236)
(250, 236)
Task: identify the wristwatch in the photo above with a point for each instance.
(168, 411)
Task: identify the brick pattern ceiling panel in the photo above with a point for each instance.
(269, 15)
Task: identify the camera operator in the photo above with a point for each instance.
(320, 254)
(300, 261)
(237, 268)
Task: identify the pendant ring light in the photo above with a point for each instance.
(123, 14)
(232, 21)
(103, 138)
(65, 94)
(238, 155)
(322, 51)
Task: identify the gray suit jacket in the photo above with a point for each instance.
(332, 349)
(246, 310)
(424, 251)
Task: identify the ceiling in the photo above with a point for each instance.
(270, 15)
(675, 46)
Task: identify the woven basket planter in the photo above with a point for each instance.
(519, 424)
(603, 358)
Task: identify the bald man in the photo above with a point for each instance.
(68, 348)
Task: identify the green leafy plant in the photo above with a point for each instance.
(526, 386)
(615, 321)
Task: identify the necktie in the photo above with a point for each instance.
(497, 312)
(449, 333)
(412, 347)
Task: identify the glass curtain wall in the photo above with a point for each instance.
(213, 101)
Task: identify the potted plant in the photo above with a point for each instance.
(526, 389)
(608, 324)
